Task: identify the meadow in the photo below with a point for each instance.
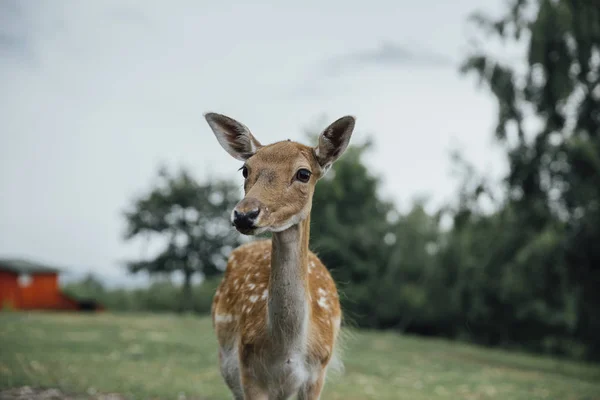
(174, 357)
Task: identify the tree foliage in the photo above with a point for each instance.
(551, 219)
(193, 220)
(348, 223)
(526, 274)
(160, 296)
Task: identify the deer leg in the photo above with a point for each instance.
(230, 372)
(252, 389)
(312, 390)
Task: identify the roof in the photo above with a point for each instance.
(25, 267)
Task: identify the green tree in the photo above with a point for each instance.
(406, 296)
(193, 220)
(383, 262)
(349, 221)
(547, 256)
(88, 288)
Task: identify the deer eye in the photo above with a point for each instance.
(303, 175)
(244, 172)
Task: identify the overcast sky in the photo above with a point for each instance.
(94, 95)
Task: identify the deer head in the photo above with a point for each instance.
(279, 178)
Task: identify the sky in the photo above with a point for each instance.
(96, 95)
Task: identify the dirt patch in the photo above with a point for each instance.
(29, 393)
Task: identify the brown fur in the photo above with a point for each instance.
(247, 275)
(276, 312)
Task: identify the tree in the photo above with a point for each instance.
(193, 220)
(405, 294)
(383, 261)
(89, 287)
(553, 186)
(349, 221)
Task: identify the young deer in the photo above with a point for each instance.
(276, 313)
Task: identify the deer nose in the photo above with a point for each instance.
(245, 220)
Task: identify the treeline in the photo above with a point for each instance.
(162, 295)
(492, 278)
(525, 274)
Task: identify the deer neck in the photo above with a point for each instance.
(288, 305)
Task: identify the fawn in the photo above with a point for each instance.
(276, 312)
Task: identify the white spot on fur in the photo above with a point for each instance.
(253, 298)
(337, 321)
(322, 302)
(321, 291)
(251, 286)
(264, 294)
(223, 318)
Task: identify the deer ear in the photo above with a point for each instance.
(333, 141)
(233, 136)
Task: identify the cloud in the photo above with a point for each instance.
(24, 29)
(388, 54)
(14, 40)
(328, 76)
(129, 16)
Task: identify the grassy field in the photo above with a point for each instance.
(170, 357)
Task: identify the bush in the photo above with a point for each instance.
(161, 296)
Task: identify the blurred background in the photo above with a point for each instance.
(466, 211)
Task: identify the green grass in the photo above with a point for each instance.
(166, 357)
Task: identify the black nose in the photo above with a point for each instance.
(245, 221)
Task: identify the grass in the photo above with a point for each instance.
(171, 357)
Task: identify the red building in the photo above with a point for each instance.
(28, 286)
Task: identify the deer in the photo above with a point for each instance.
(276, 311)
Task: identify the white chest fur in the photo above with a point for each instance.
(285, 376)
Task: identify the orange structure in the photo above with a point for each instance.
(28, 286)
